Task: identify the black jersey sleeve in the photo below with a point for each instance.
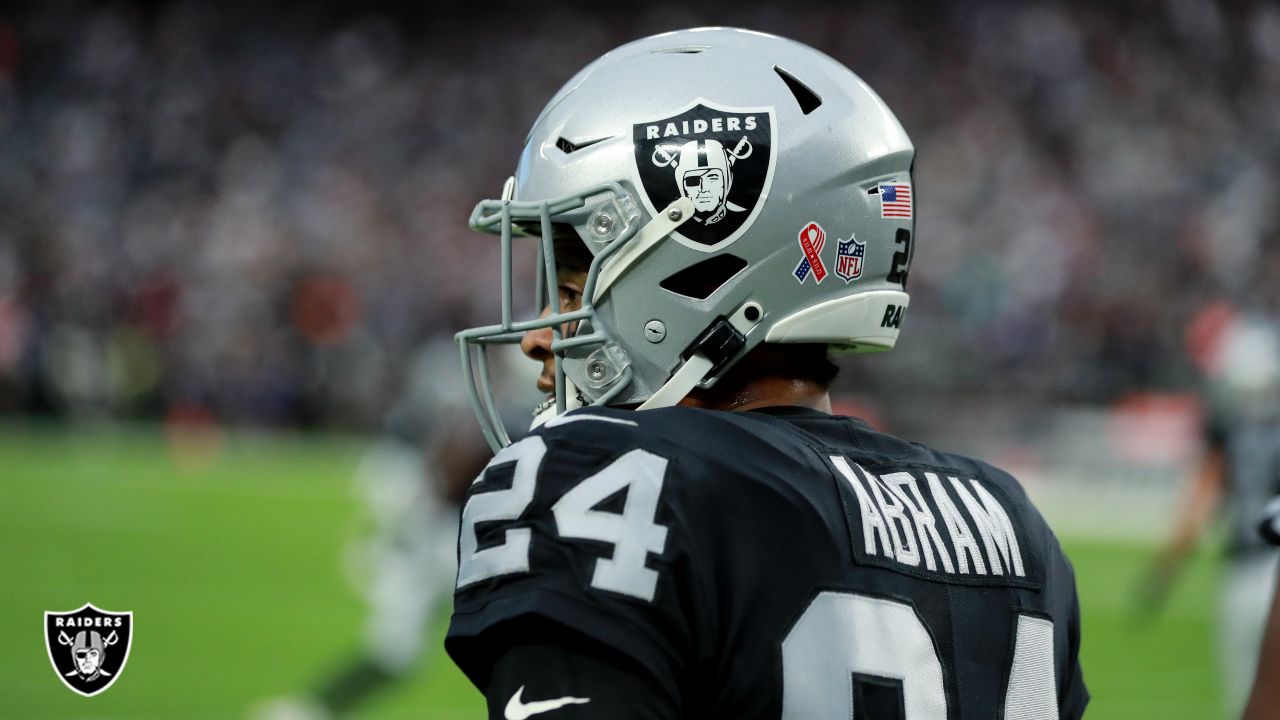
(1075, 696)
(576, 680)
(569, 528)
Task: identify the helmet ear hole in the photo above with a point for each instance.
(701, 280)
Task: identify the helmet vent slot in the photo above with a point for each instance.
(681, 50)
(700, 281)
(806, 98)
(568, 147)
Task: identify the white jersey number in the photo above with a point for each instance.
(633, 533)
(841, 634)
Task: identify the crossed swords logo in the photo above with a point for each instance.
(664, 154)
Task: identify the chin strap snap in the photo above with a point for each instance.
(647, 238)
(715, 347)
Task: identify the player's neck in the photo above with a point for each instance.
(762, 392)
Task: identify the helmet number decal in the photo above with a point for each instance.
(901, 258)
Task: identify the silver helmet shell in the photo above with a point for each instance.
(755, 151)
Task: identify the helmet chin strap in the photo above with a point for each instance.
(691, 372)
(648, 237)
(696, 367)
(656, 230)
(699, 364)
(681, 383)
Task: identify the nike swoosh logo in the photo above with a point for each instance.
(517, 710)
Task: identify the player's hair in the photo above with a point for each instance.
(571, 254)
(795, 362)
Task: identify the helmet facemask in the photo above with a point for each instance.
(590, 365)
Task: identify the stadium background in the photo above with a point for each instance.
(226, 232)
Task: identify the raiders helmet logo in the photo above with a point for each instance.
(88, 647)
(720, 158)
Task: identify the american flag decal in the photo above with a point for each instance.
(895, 201)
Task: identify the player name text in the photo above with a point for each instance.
(916, 522)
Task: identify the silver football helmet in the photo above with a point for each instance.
(732, 188)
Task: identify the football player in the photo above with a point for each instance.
(702, 537)
(1264, 701)
(410, 481)
(1238, 473)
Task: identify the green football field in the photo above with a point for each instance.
(226, 548)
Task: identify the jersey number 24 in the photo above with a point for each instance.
(633, 533)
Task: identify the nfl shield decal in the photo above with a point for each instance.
(721, 158)
(849, 256)
(88, 647)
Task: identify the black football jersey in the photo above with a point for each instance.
(778, 563)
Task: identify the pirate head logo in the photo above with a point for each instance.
(720, 158)
(88, 647)
(704, 174)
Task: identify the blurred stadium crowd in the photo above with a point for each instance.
(257, 215)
